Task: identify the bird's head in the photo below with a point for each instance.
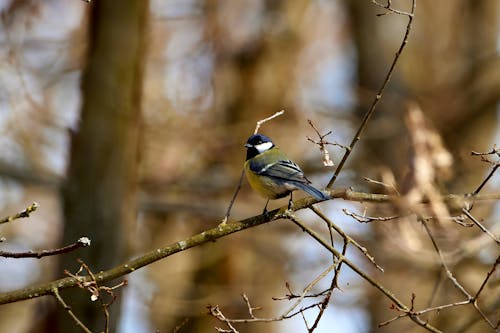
(257, 144)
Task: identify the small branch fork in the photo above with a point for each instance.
(391, 10)
(96, 292)
(493, 151)
(292, 311)
(368, 219)
(341, 258)
(322, 143)
(469, 298)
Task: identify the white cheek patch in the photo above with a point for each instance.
(264, 146)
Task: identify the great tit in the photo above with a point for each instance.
(272, 174)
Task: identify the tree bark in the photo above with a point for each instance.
(99, 195)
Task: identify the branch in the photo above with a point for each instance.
(210, 236)
(289, 215)
(25, 213)
(346, 238)
(81, 242)
(66, 307)
(262, 121)
(480, 226)
(146, 259)
(377, 98)
(454, 281)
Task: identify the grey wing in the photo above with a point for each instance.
(285, 170)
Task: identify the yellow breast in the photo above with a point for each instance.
(265, 186)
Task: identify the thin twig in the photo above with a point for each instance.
(346, 237)
(490, 273)
(291, 312)
(289, 215)
(483, 229)
(208, 236)
(25, 213)
(293, 295)
(493, 151)
(82, 242)
(390, 9)
(377, 98)
(233, 199)
(391, 186)
(322, 143)
(368, 219)
(262, 121)
(480, 187)
(450, 276)
(249, 306)
(443, 261)
(217, 313)
(55, 292)
(333, 285)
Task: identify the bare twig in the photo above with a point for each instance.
(82, 242)
(78, 322)
(322, 143)
(377, 98)
(292, 295)
(483, 229)
(209, 236)
(453, 280)
(390, 9)
(291, 312)
(249, 306)
(346, 237)
(391, 186)
(25, 213)
(368, 219)
(469, 300)
(289, 215)
(493, 151)
(333, 285)
(442, 260)
(92, 286)
(233, 199)
(488, 177)
(490, 273)
(262, 121)
(217, 313)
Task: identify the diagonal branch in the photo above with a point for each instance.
(378, 97)
(205, 237)
(289, 215)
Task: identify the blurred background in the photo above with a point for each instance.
(126, 122)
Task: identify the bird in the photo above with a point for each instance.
(272, 174)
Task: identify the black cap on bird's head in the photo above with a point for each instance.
(258, 143)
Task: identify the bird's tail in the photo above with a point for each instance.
(312, 191)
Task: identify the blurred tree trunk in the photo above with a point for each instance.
(99, 196)
(447, 68)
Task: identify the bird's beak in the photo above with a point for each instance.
(247, 145)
